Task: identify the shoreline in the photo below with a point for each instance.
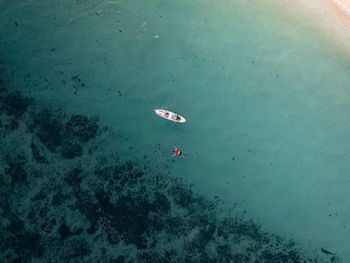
(329, 19)
(344, 7)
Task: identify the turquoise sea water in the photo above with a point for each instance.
(266, 100)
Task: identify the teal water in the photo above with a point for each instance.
(266, 101)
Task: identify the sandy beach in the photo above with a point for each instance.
(329, 18)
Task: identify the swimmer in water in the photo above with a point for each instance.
(176, 117)
(177, 152)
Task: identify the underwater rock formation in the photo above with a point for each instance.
(61, 135)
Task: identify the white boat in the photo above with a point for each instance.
(171, 116)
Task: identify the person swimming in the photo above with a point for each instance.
(176, 117)
(177, 152)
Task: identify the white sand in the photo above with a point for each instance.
(331, 18)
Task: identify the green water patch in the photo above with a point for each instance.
(266, 104)
(98, 205)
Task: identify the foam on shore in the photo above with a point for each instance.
(344, 7)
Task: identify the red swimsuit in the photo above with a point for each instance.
(177, 152)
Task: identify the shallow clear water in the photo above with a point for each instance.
(266, 101)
